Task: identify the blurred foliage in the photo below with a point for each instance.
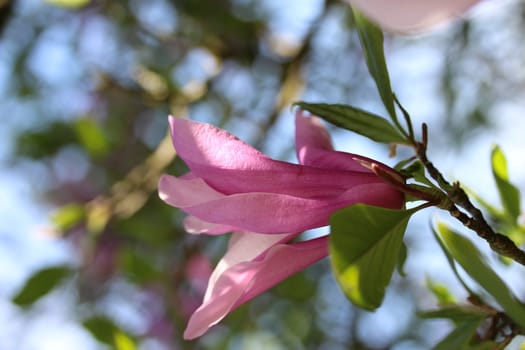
(88, 85)
(41, 283)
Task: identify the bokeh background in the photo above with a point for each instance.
(90, 258)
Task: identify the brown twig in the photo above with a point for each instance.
(472, 218)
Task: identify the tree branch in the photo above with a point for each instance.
(473, 218)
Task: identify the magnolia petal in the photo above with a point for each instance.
(295, 180)
(244, 246)
(314, 148)
(181, 192)
(310, 135)
(246, 280)
(303, 181)
(284, 260)
(207, 145)
(195, 225)
(277, 213)
(412, 15)
(231, 166)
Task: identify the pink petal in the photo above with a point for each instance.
(301, 181)
(310, 134)
(412, 15)
(246, 280)
(231, 166)
(314, 148)
(206, 145)
(195, 225)
(244, 246)
(269, 212)
(182, 192)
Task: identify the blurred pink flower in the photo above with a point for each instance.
(233, 187)
(237, 188)
(198, 271)
(411, 15)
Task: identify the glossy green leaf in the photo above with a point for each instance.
(68, 216)
(460, 337)
(356, 120)
(371, 39)
(509, 194)
(40, 284)
(365, 244)
(468, 256)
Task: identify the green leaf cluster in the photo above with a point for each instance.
(469, 318)
(471, 260)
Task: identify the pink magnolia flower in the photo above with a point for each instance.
(233, 187)
(411, 15)
(238, 188)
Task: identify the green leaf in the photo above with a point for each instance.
(356, 120)
(494, 212)
(416, 170)
(460, 337)
(402, 258)
(71, 4)
(365, 244)
(509, 194)
(441, 292)
(124, 341)
(457, 313)
(40, 284)
(102, 328)
(46, 141)
(451, 262)
(486, 345)
(371, 39)
(68, 216)
(106, 331)
(91, 137)
(468, 256)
